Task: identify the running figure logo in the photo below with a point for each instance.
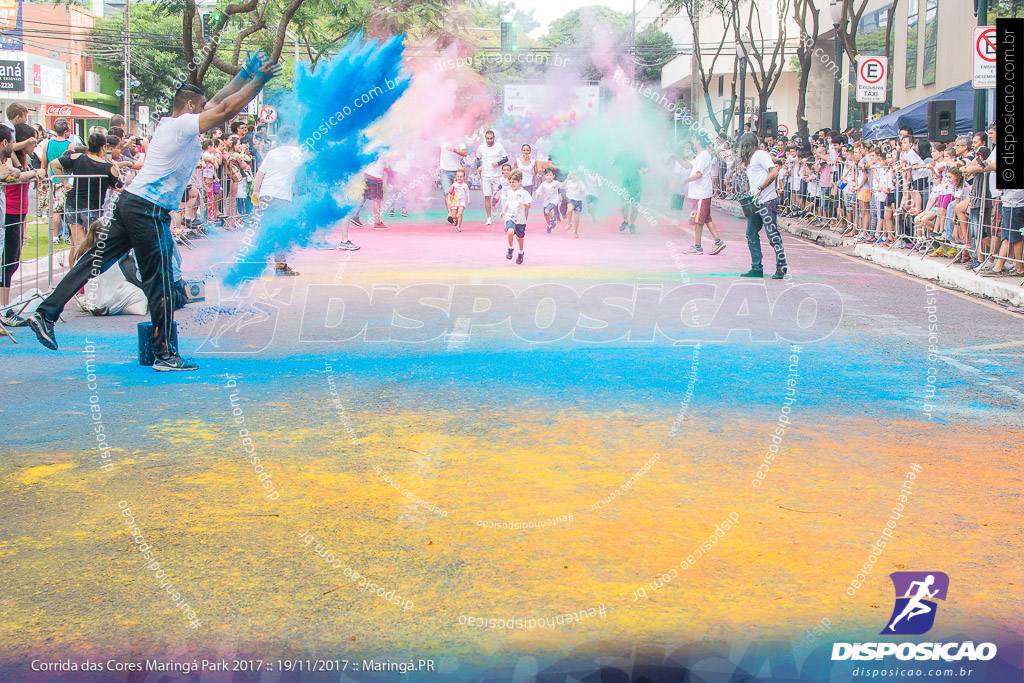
(915, 608)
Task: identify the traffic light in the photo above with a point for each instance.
(210, 22)
(509, 37)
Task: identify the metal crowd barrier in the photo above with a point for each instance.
(917, 223)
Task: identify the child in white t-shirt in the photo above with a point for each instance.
(574, 193)
(516, 209)
(458, 200)
(546, 195)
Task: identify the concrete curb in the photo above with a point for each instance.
(825, 237)
(1005, 289)
(793, 227)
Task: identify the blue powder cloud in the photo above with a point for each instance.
(331, 111)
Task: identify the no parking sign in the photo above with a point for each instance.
(268, 114)
(984, 57)
(871, 79)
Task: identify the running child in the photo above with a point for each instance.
(592, 188)
(546, 195)
(499, 195)
(516, 210)
(458, 200)
(573, 187)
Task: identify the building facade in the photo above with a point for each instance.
(931, 48)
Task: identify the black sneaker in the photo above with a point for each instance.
(12, 319)
(753, 272)
(622, 228)
(285, 269)
(780, 273)
(354, 220)
(173, 363)
(632, 228)
(519, 259)
(43, 329)
(509, 254)
(451, 219)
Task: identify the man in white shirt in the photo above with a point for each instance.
(141, 216)
(699, 189)
(762, 171)
(491, 155)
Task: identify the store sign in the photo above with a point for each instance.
(11, 32)
(12, 75)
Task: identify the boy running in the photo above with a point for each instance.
(546, 195)
(517, 208)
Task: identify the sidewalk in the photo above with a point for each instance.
(1004, 289)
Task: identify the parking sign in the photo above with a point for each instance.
(872, 80)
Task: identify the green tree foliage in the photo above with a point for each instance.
(654, 49)
(586, 32)
(157, 58)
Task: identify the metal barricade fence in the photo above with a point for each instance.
(42, 233)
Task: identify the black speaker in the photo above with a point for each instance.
(770, 124)
(942, 120)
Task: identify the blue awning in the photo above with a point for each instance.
(916, 115)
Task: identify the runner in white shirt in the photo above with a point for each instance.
(700, 187)
(141, 216)
(491, 155)
(573, 188)
(451, 159)
(528, 166)
(546, 196)
(517, 208)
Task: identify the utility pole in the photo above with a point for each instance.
(741, 52)
(632, 35)
(694, 78)
(127, 73)
(980, 95)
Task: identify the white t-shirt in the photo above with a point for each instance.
(993, 190)
(173, 154)
(573, 190)
(701, 188)
(516, 202)
(279, 168)
(547, 193)
(757, 171)
(489, 156)
(376, 168)
(450, 161)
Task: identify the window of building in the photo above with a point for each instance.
(721, 85)
(931, 40)
(912, 12)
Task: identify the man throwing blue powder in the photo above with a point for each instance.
(140, 217)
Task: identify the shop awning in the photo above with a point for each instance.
(76, 111)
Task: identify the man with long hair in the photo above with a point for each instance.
(140, 217)
(762, 172)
